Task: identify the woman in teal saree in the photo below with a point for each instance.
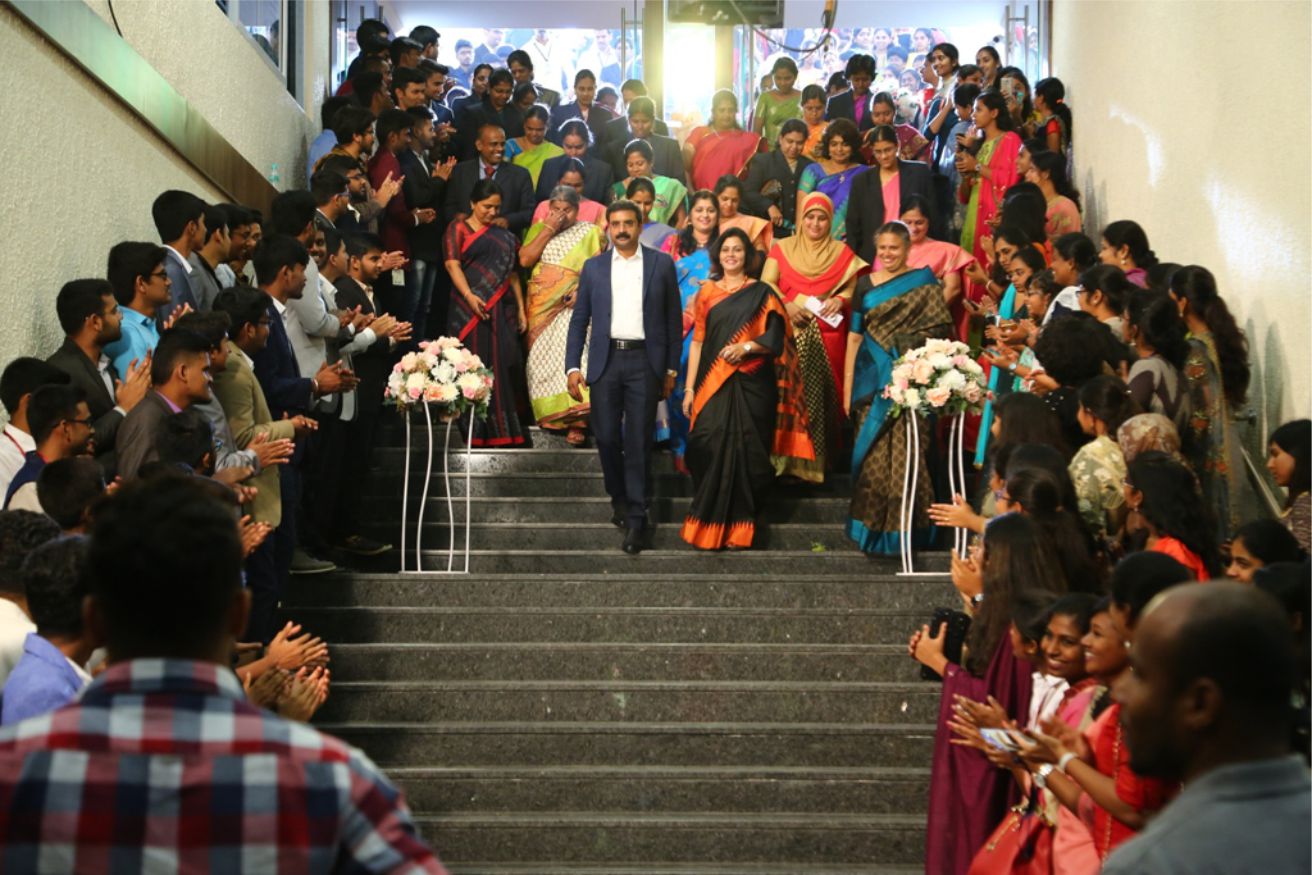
(895, 309)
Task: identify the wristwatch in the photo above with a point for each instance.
(1041, 776)
(977, 599)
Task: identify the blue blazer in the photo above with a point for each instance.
(662, 318)
(278, 374)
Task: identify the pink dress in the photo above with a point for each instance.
(1062, 217)
(892, 198)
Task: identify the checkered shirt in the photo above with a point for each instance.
(163, 766)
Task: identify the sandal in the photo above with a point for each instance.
(576, 437)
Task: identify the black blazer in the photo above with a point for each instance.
(476, 113)
(662, 315)
(597, 177)
(374, 364)
(843, 106)
(598, 118)
(516, 193)
(763, 168)
(666, 151)
(423, 191)
(865, 203)
(618, 129)
(84, 374)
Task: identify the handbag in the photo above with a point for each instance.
(1021, 845)
(958, 624)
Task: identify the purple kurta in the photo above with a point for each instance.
(968, 796)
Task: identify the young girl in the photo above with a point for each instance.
(1287, 460)
(1259, 544)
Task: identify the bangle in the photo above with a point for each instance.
(1041, 775)
(1065, 761)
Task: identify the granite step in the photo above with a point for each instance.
(883, 590)
(621, 624)
(385, 481)
(525, 661)
(573, 534)
(664, 788)
(668, 868)
(782, 508)
(633, 744)
(633, 700)
(680, 561)
(698, 836)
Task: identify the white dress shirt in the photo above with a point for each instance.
(626, 296)
(14, 626)
(15, 444)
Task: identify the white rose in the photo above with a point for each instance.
(911, 398)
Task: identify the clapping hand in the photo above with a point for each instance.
(176, 315)
(967, 577)
(291, 649)
(301, 425)
(271, 452)
(253, 535)
(393, 261)
(129, 391)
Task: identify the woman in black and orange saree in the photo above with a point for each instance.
(487, 309)
(742, 398)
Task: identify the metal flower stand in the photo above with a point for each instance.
(910, 479)
(423, 499)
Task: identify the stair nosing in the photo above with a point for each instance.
(594, 610)
(618, 727)
(648, 685)
(825, 820)
(664, 771)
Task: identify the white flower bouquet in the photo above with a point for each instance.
(445, 376)
(939, 377)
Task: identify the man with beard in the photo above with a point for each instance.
(1207, 702)
(91, 319)
(61, 427)
(243, 233)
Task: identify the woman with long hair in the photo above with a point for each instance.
(780, 103)
(1288, 461)
(989, 62)
(690, 249)
(1158, 335)
(1050, 103)
(1048, 172)
(897, 307)
(487, 309)
(494, 107)
(1259, 544)
(1125, 245)
(720, 147)
(911, 146)
(833, 175)
(1217, 373)
(1104, 291)
(1098, 469)
(668, 193)
(729, 194)
(1168, 514)
(533, 148)
(1038, 484)
(986, 175)
(816, 276)
(554, 252)
(740, 397)
(1015, 89)
(1072, 254)
(968, 797)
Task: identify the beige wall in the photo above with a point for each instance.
(1192, 118)
(83, 170)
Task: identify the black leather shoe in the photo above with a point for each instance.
(617, 520)
(633, 541)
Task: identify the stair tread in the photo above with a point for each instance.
(827, 820)
(637, 610)
(660, 868)
(619, 577)
(597, 727)
(661, 771)
(620, 684)
(729, 647)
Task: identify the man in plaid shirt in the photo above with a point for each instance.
(163, 765)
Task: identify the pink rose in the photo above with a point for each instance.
(938, 396)
(922, 372)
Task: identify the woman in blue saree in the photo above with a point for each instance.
(895, 309)
(690, 249)
(839, 166)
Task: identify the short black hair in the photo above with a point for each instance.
(275, 252)
(430, 67)
(370, 29)
(326, 185)
(174, 345)
(392, 121)
(51, 405)
(330, 108)
(23, 376)
(401, 45)
(1270, 541)
(67, 487)
(243, 306)
(404, 76)
(79, 300)
(148, 538)
(173, 210)
(419, 115)
(965, 94)
(215, 218)
(291, 212)
(351, 121)
(185, 438)
(21, 532)
(128, 262)
(519, 56)
(637, 86)
(343, 164)
(237, 215)
(55, 580)
(424, 35)
(362, 243)
(211, 325)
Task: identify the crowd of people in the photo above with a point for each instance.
(740, 299)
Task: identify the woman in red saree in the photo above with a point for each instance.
(987, 174)
(812, 265)
(741, 398)
(487, 309)
(721, 148)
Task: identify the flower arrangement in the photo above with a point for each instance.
(444, 375)
(939, 377)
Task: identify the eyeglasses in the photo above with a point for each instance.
(159, 274)
(86, 421)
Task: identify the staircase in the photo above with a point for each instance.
(569, 708)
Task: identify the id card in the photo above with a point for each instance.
(398, 277)
(814, 305)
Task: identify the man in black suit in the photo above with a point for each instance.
(597, 174)
(865, 204)
(668, 158)
(516, 185)
(630, 298)
(854, 104)
(594, 116)
(90, 318)
(425, 188)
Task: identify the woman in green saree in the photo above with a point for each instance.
(555, 250)
(532, 150)
(895, 309)
(670, 193)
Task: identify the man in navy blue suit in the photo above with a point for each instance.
(630, 296)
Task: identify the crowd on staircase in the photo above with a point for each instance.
(198, 436)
